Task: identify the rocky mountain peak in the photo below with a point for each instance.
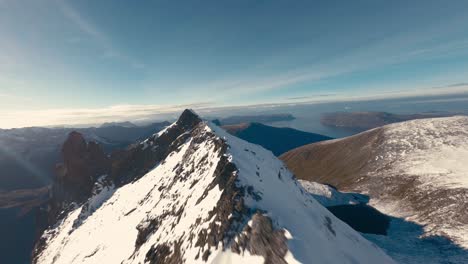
(84, 160)
(74, 146)
(188, 119)
(192, 193)
(131, 164)
(83, 163)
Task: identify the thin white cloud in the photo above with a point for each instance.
(146, 113)
(109, 51)
(82, 116)
(251, 83)
(373, 56)
(79, 21)
(391, 50)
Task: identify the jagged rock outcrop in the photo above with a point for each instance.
(260, 238)
(83, 163)
(194, 194)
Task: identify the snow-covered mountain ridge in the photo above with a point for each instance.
(208, 198)
(416, 170)
(433, 155)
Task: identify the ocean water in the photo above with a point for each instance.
(308, 116)
(17, 231)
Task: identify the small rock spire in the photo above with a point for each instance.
(188, 119)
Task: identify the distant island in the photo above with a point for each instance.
(361, 121)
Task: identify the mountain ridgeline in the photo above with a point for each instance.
(191, 193)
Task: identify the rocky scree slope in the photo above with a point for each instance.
(192, 193)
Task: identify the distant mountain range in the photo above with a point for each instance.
(278, 140)
(28, 155)
(361, 121)
(119, 124)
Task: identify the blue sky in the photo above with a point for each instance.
(60, 60)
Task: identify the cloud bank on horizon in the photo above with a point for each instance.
(143, 114)
(65, 62)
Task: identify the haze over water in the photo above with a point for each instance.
(308, 116)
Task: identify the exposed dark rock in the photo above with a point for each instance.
(162, 254)
(145, 229)
(328, 224)
(158, 254)
(206, 255)
(259, 238)
(256, 195)
(230, 209)
(82, 164)
(188, 119)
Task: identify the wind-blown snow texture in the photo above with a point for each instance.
(416, 170)
(214, 199)
(436, 150)
(403, 241)
(432, 155)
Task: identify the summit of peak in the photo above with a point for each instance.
(188, 119)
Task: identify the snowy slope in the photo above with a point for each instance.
(415, 170)
(434, 150)
(403, 240)
(213, 199)
(434, 154)
(328, 196)
(315, 234)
